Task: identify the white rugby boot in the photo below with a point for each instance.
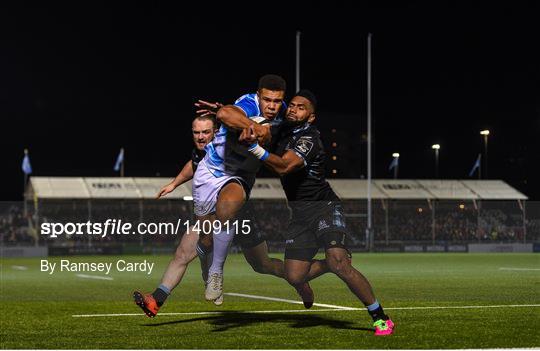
(214, 287)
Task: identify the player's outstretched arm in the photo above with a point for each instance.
(206, 108)
(185, 174)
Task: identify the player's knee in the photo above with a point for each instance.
(294, 278)
(206, 240)
(183, 258)
(339, 265)
(259, 267)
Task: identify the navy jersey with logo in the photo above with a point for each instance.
(309, 183)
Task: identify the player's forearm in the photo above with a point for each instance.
(185, 174)
(232, 117)
(280, 165)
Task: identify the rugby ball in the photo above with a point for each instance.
(260, 120)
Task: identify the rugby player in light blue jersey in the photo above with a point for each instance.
(224, 180)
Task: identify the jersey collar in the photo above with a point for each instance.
(301, 128)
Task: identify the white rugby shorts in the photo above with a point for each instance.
(206, 188)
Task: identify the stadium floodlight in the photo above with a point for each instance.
(395, 164)
(436, 147)
(485, 133)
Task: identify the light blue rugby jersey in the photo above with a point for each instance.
(225, 156)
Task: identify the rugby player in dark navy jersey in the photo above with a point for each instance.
(317, 219)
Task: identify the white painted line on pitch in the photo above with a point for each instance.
(344, 308)
(20, 268)
(518, 269)
(86, 276)
(258, 297)
(457, 307)
(292, 311)
(200, 313)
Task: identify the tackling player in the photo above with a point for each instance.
(317, 218)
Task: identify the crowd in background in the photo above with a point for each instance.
(396, 222)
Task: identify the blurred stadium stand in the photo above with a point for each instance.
(408, 215)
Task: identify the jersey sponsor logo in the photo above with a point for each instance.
(303, 145)
(323, 224)
(289, 241)
(338, 217)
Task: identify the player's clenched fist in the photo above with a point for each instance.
(248, 136)
(262, 132)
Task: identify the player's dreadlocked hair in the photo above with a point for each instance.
(272, 82)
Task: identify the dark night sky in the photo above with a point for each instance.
(78, 81)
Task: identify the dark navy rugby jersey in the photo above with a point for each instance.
(308, 183)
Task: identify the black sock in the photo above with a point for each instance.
(203, 249)
(160, 296)
(378, 313)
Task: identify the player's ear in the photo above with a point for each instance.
(311, 117)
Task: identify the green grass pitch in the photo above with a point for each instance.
(38, 309)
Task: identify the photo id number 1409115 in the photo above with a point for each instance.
(214, 226)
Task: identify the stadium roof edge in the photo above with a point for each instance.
(270, 188)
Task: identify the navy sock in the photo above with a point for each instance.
(161, 294)
(203, 250)
(376, 311)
